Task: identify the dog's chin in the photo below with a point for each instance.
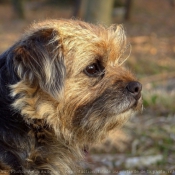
(116, 121)
(132, 107)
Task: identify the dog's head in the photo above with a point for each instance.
(71, 77)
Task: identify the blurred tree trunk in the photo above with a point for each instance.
(18, 6)
(99, 11)
(77, 5)
(128, 6)
(79, 8)
(172, 3)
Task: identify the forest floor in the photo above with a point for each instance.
(146, 145)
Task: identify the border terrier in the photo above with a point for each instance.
(62, 87)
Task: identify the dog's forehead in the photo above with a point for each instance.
(87, 40)
(94, 41)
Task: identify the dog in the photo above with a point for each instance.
(63, 87)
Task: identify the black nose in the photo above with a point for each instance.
(134, 88)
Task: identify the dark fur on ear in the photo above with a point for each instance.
(38, 59)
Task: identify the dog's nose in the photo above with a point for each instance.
(134, 87)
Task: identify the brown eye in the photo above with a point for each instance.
(94, 70)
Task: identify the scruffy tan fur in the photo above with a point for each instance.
(83, 109)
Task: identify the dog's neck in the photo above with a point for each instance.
(24, 146)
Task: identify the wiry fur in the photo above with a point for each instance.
(49, 108)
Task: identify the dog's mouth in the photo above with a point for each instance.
(85, 150)
(136, 105)
(132, 104)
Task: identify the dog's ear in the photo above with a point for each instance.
(38, 59)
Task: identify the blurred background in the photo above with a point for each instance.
(146, 145)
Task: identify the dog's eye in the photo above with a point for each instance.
(94, 70)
